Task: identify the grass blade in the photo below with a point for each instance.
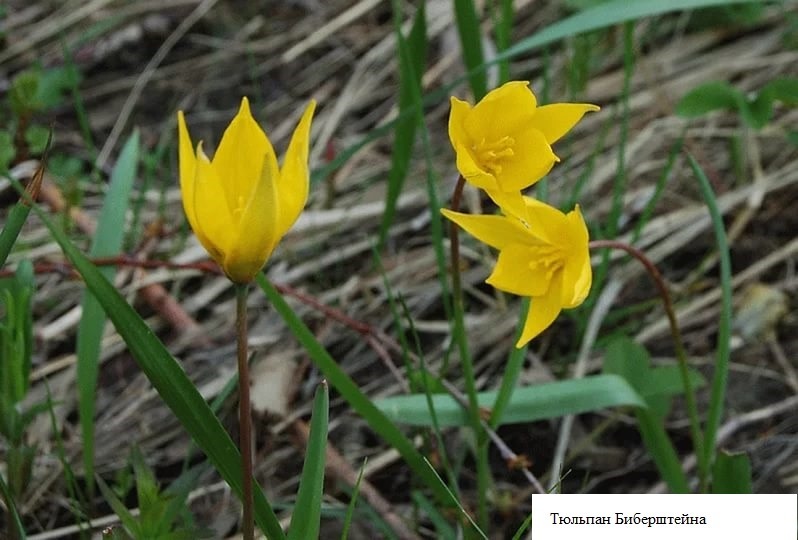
(412, 58)
(602, 16)
(19, 213)
(107, 242)
(361, 403)
(307, 510)
(731, 474)
(465, 15)
(350, 509)
(721, 376)
(15, 524)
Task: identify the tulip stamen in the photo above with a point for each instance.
(490, 154)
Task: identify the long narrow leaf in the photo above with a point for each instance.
(11, 509)
(530, 403)
(731, 474)
(19, 212)
(412, 59)
(603, 16)
(721, 376)
(107, 242)
(169, 380)
(662, 451)
(307, 510)
(465, 15)
(361, 403)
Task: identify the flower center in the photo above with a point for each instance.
(490, 154)
(548, 257)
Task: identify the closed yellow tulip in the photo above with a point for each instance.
(542, 254)
(240, 203)
(503, 143)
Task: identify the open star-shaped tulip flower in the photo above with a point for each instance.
(503, 143)
(543, 254)
(241, 203)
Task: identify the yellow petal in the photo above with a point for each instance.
(511, 203)
(532, 159)
(215, 229)
(495, 231)
(577, 274)
(239, 159)
(542, 312)
(257, 231)
(557, 119)
(294, 178)
(546, 222)
(514, 275)
(187, 163)
(501, 112)
(458, 112)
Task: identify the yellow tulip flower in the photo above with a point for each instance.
(240, 204)
(503, 143)
(543, 255)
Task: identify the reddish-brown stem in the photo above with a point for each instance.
(681, 354)
(245, 415)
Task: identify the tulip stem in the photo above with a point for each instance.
(681, 354)
(481, 453)
(245, 415)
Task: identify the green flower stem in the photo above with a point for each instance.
(244, 412)
(475, 419)
(681, 355)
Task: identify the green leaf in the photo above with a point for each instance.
(119, 508)
(22, 93)
(169, 380)
(54, 83)
(107, 242)
(628, 359)
(783, 89)
(19, 212)
(602, 16)
(709, 97)
(731, 473)
(631, 361)
(16, 347)
(356, 399)
(7, 150)
(37, 137)
(721, 377)
(465, 16)
(350, 508)
(528, 404)
(662, 451)
(11, 510)
(441, 527)
(412, 59)
(305, 520)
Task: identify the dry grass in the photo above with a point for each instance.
(148, 62)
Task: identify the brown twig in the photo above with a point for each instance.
(154, 294)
